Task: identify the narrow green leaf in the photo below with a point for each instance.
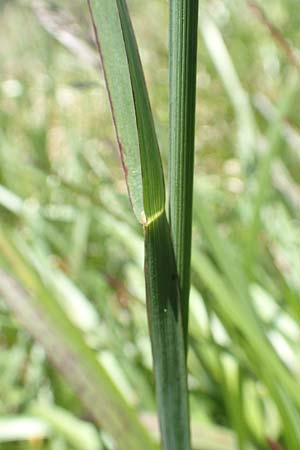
(183, 62)
(164, 312)
(151, 166)
(122, 66)
(111, 46)
(130, 107)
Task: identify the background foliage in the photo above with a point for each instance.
(64, 207)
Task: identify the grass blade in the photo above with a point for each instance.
(130, 107)
(164, 312)
(143, 169)
(183, 60)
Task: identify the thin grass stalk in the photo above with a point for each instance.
(183, 62)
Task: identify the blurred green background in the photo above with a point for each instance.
(64, 205)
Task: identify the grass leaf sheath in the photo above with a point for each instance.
(143, 169)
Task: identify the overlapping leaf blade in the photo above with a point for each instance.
(162, 287)
(130, 107)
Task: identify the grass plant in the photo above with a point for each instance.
(101, 347)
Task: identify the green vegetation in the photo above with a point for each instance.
(76, 361)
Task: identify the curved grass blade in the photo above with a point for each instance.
(183, 61)
(152, 185)
(142, 165)
(117, 77)
(130, 107)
